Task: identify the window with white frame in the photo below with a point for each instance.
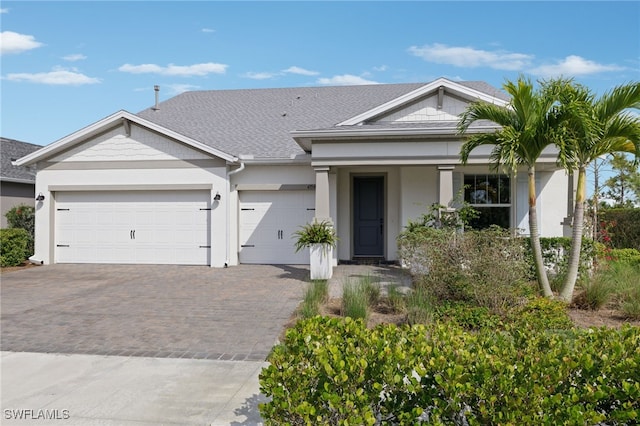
(490, 195)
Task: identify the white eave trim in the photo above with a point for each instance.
(292, 160)
(305, 137)
(99, 126)
(411, 96)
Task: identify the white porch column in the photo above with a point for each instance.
(445, 192)
(323, 204)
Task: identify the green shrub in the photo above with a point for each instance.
(14, 246)
(468, 316)
(627, 255)
(486, 267)
(540, 314)
(337, 372)
(623, 225)
(355, 300)
(23, 217)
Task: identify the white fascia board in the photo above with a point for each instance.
(101, 125)
(383, 132)
(409, 97)
(304, 138)
(292, 160)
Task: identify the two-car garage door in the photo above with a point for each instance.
(153, 227)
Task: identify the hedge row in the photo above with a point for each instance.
(338, 372)
(623, 227)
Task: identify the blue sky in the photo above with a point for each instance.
(66, 65)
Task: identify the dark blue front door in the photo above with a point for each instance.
(368, 216)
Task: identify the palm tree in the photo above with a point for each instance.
(594, 127)
(528, 125)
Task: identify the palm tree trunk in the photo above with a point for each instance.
(541, 273)
(566, 293)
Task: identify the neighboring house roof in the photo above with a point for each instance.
(259, 122)
(11, 150)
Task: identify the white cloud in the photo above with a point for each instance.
(208, 30)
(381, 68)
(4, 10)
(11, 42)
(573, 66)
(171, 69)
(74, 57)
(345, 80)
(176, 89)
(300, 71)
(141, 69)
(260, 75)
(462, 56)
(58, 77)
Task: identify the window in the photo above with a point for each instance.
(490, 195)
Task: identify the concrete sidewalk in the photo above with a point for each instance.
(113, 390)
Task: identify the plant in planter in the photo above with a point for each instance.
(321, 239)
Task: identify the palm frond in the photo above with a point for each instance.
(620, 98)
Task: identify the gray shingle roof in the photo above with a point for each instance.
(258, 122)
(11, 150)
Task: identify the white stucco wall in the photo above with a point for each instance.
(419, 187)
(551, 203)
(553, 197)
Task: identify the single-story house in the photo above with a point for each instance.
(17, 183)
(222, 177)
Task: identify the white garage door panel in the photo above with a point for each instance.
(154, 227)
(268, 220)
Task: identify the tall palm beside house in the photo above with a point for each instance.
(528, 124)
(594, 127)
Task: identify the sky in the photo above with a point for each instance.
(66, 65)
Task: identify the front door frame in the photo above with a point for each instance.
(383, 213)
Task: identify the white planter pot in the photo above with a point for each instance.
(321, 262)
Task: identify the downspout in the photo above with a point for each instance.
(232, 172)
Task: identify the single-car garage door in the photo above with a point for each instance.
(152, 227)
(268, 220)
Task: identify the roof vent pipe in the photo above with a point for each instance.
(156, 88)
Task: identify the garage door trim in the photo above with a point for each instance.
(143, 187)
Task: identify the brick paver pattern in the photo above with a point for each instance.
(166, 311)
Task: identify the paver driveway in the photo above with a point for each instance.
(235, 313)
